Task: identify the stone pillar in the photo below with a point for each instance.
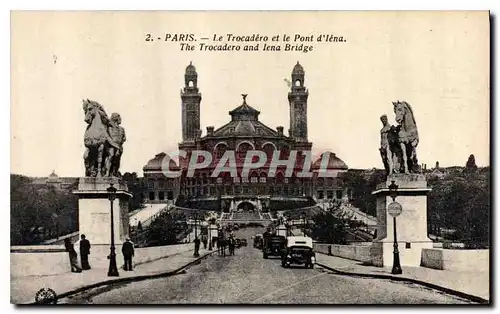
(94, 210)
(411, 224)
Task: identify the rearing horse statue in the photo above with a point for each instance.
(407, 136)
(96, 139)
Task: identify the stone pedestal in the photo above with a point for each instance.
(411, 223)
(94, 210)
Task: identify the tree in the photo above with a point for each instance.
(162, 231)
(470, 166)
(461, 203)
(36, 209)
(135, 187)
(329, 229)
(362, 184)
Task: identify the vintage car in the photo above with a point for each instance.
(298, 251)
(273, 246)
(257, 241)
(244, 242)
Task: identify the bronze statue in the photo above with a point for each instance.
(398, 143)
(103, 141)
(117, 134)
(385, 151)
(407, 136)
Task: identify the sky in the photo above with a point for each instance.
(436, 61)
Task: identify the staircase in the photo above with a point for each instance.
(147, 214)
(246, 216)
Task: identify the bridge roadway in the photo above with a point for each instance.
(249, 279)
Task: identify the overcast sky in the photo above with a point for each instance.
(436, 61)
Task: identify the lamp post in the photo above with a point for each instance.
(113, 270)
(304, 224)
(210, 235)
(196, 240)
(395, 210)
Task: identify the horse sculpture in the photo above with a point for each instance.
(399, 142)
(103, 141)
(407, 135)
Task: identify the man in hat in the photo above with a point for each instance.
(128, 253)
(85, 252)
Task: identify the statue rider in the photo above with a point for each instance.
(115, 150)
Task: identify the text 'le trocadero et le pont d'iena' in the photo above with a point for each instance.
(254, 42)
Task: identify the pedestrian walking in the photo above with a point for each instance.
(196, 246)
(84, 252)
(73, 257)
(128, 253)
(204, 239)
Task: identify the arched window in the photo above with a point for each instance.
(263, 177)
(190, 84)
(297, 83)
(269, 149)
(284, 152)
(254, 177)
(243, 148)
(280, 177)
(220, 149)
(227, 177)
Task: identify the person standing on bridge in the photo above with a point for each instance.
(73, 257)
(128, 253)
(85, 252)
(197, 247)
(204, 239)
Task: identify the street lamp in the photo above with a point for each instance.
(303, 224)
(113, 270)
(210, 234)
(196, 240)
(395, 210)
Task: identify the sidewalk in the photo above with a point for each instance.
(24, 289)
(470, 283)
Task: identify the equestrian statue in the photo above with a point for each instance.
(398, 143)
(103, 140)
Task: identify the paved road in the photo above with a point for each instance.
(248, 278)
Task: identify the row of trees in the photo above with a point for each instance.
(134, 185)
(459, 207)
(40, 212)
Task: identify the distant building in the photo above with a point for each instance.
(53, 180)
(436, 172)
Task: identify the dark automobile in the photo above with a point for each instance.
(299, 251)
(244, 242)
(273, 246)
(257, 241)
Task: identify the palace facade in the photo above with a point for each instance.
(242, 133)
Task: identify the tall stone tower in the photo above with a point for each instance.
(191, 99)
(297, 98)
